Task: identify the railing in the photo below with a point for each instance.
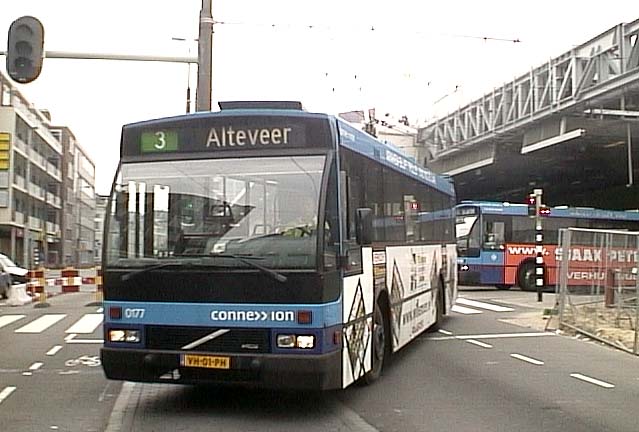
(20, 181)
(36, 191)
(52, 170)
(21, 145)
(35, 223)
(608, 61)
(53, 199)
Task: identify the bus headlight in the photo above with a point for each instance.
(295, 341)
(125, 336)
(285, 341)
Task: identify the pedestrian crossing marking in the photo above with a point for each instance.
(41, 324)
(87, 324)
(5, 320)
(465, 310)
(482, 305)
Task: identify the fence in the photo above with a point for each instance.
(598, 285)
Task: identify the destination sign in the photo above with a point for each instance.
(224, 133)
(227, 136)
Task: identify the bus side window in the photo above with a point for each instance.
(494, 235)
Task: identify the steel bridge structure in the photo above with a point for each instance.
(566, 126)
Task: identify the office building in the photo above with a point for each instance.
(47, 202)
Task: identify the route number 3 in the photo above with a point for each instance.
(160, 144)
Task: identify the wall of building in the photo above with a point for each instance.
(33, 183)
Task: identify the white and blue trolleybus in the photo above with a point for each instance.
(267, 246)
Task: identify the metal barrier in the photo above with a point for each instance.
(598, 285)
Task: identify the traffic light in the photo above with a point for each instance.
(25, 49)
(532, 205)
(544, 211)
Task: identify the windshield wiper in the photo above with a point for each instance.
(134, 273)
(246, 259)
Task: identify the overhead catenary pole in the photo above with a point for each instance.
(205, 63)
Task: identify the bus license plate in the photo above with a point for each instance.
(208, 362)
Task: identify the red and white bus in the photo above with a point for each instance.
(496, 244)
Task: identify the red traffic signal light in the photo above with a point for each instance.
(544, 211)
(532, 205)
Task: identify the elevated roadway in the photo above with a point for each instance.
(569, 126)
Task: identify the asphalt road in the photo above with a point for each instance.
(492, 368)
(50, 375)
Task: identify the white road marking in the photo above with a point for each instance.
(53, 351)
(87, 324)
(6, 392)
(27, 373)
(527, 359)
(5, 320)
(116, 419)
(491, 336)
(41, 324)
(478, 343)
(592, 380)
(465, 310)
(85, 341)
(70, 339)
(446, 332)
(36, 366)
(482, 305)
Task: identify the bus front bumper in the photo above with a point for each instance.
(468, 276)
(295, 372)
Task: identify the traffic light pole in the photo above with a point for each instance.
(539, 247)
(205, 63)
(106, 56)
(25, 53)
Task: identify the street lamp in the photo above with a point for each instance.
(188, 77)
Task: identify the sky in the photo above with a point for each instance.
(418, 58)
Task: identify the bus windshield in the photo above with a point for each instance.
(265, 209)
(467, 231)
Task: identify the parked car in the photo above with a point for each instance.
(10, 273)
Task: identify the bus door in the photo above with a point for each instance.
(357, 291)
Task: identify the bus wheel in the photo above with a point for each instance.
(527, 276)
(380, 342)
(503, 287)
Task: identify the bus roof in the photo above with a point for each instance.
(350, 137)
(517, 209)
(234, 112)
(387, 154)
